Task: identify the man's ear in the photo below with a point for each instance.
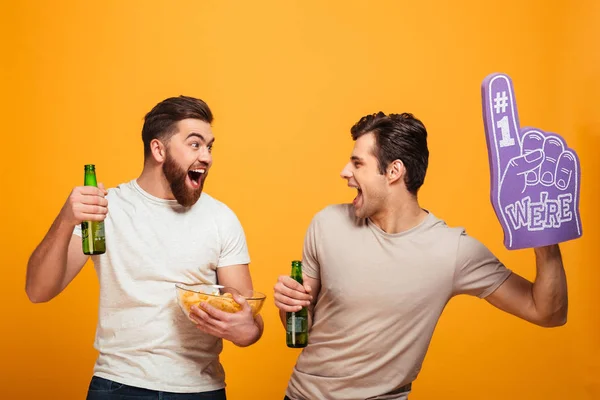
(395, 171)
(158, 150)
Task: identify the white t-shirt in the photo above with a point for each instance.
(143, 337)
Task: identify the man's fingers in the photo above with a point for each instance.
(290, 283)
(207, 318)
(101, 187)
(91, 190)
(288, 303)
(290, 295)
(90, 209)
(501, 122)
(212, 313)
(241, 300)
(204, 323)
(93, 217)
(292, 290)
(288, 308)
(93, 200)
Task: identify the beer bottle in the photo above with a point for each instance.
(297, 322)
(92, 232)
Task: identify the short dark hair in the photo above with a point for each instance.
(160, 123)
(397, 137)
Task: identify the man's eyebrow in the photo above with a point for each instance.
(356, 158)
(199, 136)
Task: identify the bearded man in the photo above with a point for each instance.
(162, 229)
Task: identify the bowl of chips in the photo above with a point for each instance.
(218, 296)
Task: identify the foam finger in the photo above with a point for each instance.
(565, 168)
(553, 148)
(501, 122)
(532, 140)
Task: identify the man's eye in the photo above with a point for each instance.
(195, 145)
(210, 147)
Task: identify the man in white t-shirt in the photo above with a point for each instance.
(160, 229)
(379, 272)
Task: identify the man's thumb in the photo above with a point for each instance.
(101, 187)
(241, 300)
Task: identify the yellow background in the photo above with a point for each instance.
(286, 80)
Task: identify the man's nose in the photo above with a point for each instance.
(346, 173)
(205, 156)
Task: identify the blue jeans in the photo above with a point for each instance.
(104, 389)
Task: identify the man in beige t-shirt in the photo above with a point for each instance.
(379, 272)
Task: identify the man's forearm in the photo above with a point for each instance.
(282, 315)
(258, 321)
(550, 286)
(47, 265)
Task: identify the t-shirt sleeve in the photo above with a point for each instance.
(234, 249)
(310, 256)
(478, 272)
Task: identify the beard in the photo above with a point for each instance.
(176, 177)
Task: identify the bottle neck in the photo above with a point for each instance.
(90, 178)
(297, 273)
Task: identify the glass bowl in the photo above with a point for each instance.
(218, 296)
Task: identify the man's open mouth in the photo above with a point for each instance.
(195, 176)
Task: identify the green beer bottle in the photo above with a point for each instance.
(296, 331)
(92, 232)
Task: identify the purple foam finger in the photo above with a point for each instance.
(518, 167)
(553, 148)
(568, 184)
(501, 121)
(532, 140)
(501, 125)
(535, 177)
(565, 168)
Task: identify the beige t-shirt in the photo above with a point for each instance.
(381, 297)
(143, 338)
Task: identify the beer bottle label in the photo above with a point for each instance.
(296, 324)
(99, 231)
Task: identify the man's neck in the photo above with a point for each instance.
(153, 181)
(405, 214)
